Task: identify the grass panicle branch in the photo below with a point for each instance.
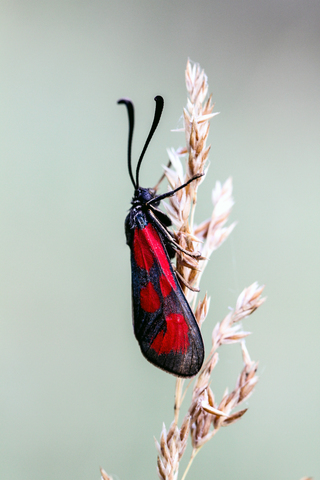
(205, 415)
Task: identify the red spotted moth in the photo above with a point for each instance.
(163, 322)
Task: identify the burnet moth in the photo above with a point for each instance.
(163, 322)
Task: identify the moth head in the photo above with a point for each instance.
(143, 195)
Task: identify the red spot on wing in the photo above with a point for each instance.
(165, 285)
(175, 339)
(151, 238)
(149, 299)
(141, 250)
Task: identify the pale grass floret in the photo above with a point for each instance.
(227, 332)
(213, 231)
(104, 475)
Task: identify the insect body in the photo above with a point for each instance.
(164, 324)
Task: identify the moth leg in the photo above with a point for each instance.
(170, 194)
(165, 232)
(183, 280)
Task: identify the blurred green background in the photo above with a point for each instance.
(76, 393)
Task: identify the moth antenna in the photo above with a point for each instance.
(130, 110)
(157, 115)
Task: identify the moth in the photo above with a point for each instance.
(163, 322)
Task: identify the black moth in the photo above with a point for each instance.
(163, 322)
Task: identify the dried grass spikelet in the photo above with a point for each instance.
(202, 310)
(171, 448)
(104, 475)
(227, 332)
(213, 232)
(243, 389)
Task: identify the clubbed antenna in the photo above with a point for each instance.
(130, 110)
(156, 119)
(157, 115)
